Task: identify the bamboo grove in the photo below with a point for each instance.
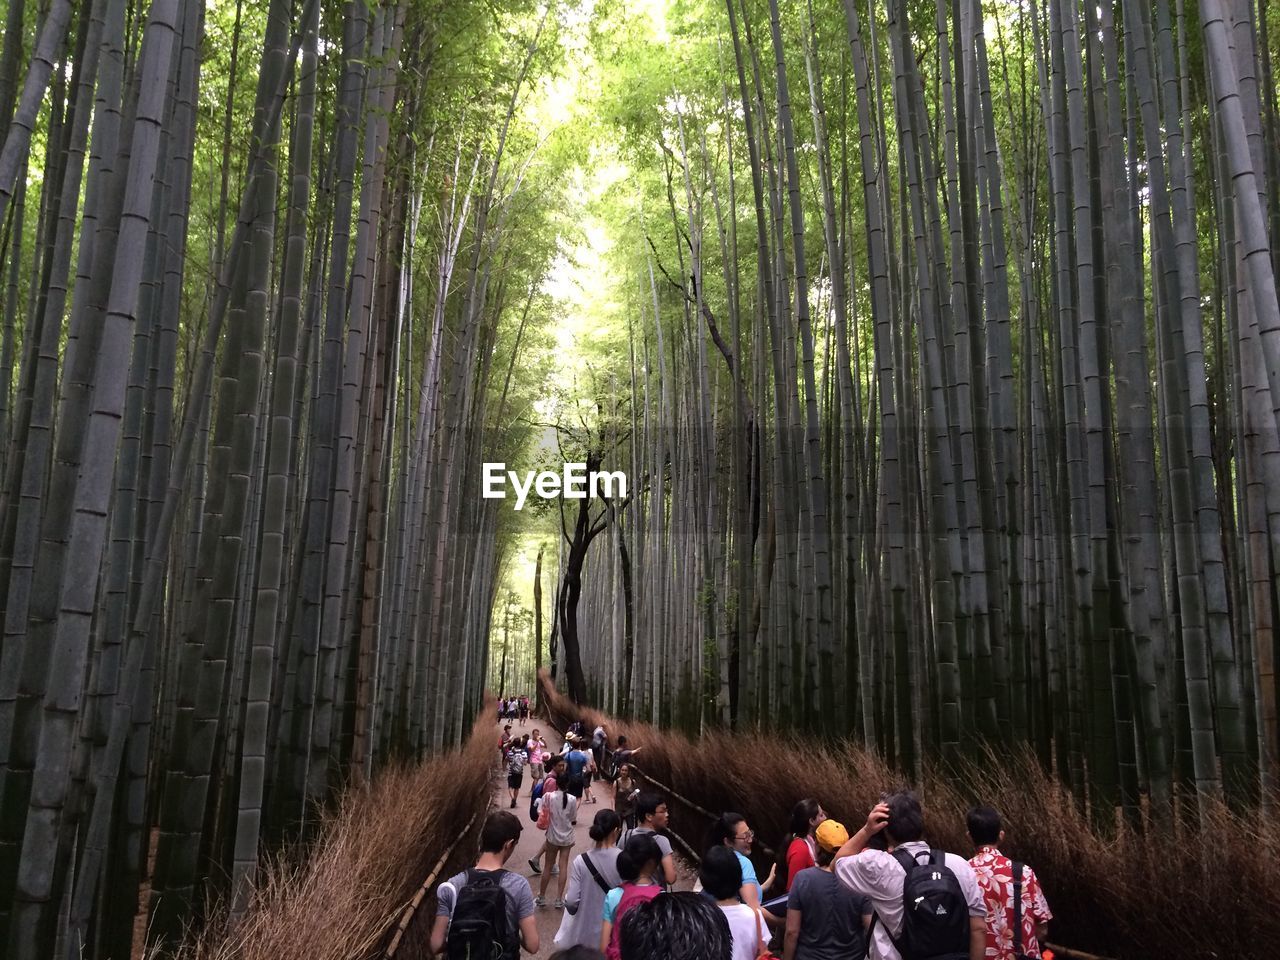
(267, 272)
(953, 382)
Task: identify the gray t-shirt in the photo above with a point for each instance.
(663, 843)
(830, 916)
(519, 896)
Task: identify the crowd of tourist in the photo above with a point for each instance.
(883, 893)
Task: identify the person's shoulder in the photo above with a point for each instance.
(866, 866)
(510, 878)
(802, 880)
(959, 865)
(457, 881)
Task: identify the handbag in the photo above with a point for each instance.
(762, 930)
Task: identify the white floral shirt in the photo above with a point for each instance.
(995, 876)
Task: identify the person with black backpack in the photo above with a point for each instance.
(927, 903)
(486, 913)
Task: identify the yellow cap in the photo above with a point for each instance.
(831, 835)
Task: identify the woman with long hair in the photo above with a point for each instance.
(593, 874)
(802, 850)
(562, 808)
(625, 791)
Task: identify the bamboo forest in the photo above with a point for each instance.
(933, 348)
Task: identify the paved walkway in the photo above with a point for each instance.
(532, 838)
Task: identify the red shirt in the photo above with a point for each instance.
(995, 879)
(799, 857)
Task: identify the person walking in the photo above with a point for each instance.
(593, 874)
(1017, 912)
(466, 902)
(599, 744)
(517, 757)
(826, 920)
(948, 916)
(576, 760)
(802, 850)
(625, 791)
(638, 866)
(721, 878)
(651, 818)
(555, 773)
(561, 808)
(589, 776)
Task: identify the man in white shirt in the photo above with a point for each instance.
(877, 874)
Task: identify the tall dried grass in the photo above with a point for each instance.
(1177, 891)
(341, 899)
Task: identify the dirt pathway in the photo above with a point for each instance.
(532, 838)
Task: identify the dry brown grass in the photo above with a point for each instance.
(1177, 891)
(342, 901)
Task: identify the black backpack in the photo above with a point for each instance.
(480, 928)
(935, 914)
(534, 795)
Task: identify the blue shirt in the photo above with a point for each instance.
(749, 873)
(577, 762)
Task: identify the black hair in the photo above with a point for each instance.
(906, 819)
(675, 926)
(605, 823)
(647, 804)
(500, 828)
(801, 815)
(824, 856)
(721, 873)
(640, 849)
(578, 952)
(984, 825)
(726, 828)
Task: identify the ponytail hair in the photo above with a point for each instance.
(801, 814)
(640, 850)
(605, 823)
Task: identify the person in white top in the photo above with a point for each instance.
(562, 808)
(879, 875)
(593, 875)
(721, 877)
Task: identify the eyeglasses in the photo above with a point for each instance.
(749, 835)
